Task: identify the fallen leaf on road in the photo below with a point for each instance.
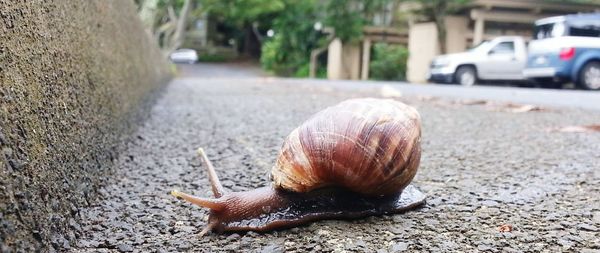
(473, 102)
(445, 104)
(492, 106)
(522, 108)
(505, 228)
(427, 98)
(390, 92)
(506, 107)
(579, 129)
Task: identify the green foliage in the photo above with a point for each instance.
(288, 52)
(240, 12)
(212, 58)
(173, 69)
(294, 38)
(243, 21)
(303, 71)
(388, 62)
(345, 19)
(348, 17)
(271, 58)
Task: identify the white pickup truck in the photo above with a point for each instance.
(502, 58)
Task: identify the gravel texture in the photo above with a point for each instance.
(496, 181)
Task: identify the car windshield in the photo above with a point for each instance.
(480, 46)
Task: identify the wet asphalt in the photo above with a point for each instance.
(496, 180)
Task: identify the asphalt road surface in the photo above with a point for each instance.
(496, 175)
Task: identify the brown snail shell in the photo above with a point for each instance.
(369, 146)
(350, 160)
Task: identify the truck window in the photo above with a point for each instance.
(587, 28)
(506, 47)
(549, 30)
(542, 31)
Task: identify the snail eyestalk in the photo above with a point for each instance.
(208, 228)
(212, 204)
(217, 188)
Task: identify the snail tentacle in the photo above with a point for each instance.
(212, 204)
(209, 227)
(217, 187)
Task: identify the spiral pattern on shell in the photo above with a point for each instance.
(369, 146)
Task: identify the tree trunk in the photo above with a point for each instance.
(439, 16)
(257, 34)
(178, 35)
(148, 14)
(252, 43)
(441, 28)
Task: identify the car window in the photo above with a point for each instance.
(543, 31)
(558, 30)
(550, 30)
(507, 47)
(587, 28)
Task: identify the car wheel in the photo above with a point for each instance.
(589, 77)
(466, 76)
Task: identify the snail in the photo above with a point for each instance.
(351, 160)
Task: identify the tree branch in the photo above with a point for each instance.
(259, 36)
(316, 52)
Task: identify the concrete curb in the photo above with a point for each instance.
(76, 77)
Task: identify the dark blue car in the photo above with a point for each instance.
(566, 49)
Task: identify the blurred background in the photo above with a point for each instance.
(370, 39)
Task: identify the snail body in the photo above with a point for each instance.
(351, 160)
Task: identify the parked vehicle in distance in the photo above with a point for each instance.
(184, 55)
(566, 49)
(502, 58)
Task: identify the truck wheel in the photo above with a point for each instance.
(589, 77)
(466, 76)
